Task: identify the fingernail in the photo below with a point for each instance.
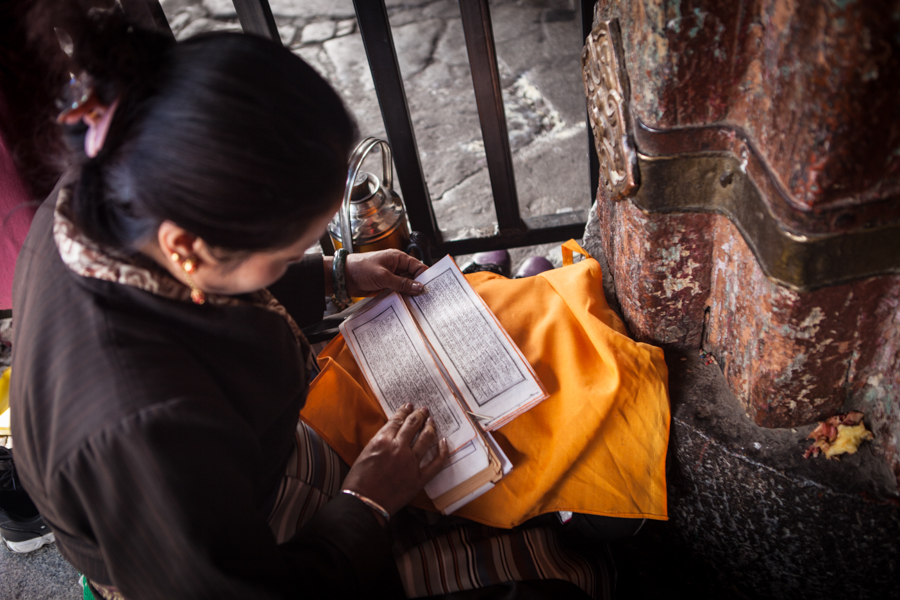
(408, 406)
(417, 287)
(429, 421)
(425, 410)
(444, 442)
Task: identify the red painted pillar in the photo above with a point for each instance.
(750, 194)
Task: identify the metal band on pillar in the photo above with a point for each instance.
(720, 177)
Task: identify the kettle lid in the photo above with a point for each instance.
(374, 210)
(363, 188)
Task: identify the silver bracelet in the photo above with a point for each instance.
(338, 277)
(370, 503)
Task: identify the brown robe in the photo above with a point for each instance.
(151, 432)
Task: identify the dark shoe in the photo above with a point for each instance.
(21, 526)
(496, 261)
(24, 535)
(532, 266)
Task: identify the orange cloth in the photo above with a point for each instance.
(597, 445)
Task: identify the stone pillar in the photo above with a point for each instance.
(750, 194)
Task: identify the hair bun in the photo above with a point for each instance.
(119, 56)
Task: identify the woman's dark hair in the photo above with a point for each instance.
(232, 137)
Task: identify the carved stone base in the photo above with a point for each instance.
(746, 509)
(688, 280)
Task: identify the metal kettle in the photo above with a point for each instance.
(372, 214)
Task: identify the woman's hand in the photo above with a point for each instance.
(371, 272)
(388, 469)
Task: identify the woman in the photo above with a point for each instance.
(159, 367)
(151, 429)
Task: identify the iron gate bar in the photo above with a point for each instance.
(256, 17)
(476, 21)
(375, 29)
(545, 229)
(586, 15)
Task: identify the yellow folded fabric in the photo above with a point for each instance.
(597, 445)
(4, 402)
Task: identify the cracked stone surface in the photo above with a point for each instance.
(789, 522)
(318, 32)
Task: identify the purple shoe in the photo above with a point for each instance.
(533, 266)
(496, 261)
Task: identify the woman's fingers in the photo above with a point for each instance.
(411, 427)
(420, 431)
(389, 469)
(404, 285)
(437, 463)
(413, 266)
(398, 272)
(387, 269)
(396, 421)
(426, 439)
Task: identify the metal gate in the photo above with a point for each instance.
(512, 229)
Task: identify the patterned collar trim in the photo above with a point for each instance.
(89, 259)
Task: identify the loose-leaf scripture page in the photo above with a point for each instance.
(445, 350)
(490, 373)
(386, 344)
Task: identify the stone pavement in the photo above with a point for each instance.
(39, 575)
(538, 48)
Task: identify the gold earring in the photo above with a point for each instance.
(189, 265)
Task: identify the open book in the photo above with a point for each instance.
(445, 350)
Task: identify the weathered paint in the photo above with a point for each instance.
(660, 265)
(690, 281)
(792, 358)
(814, 86)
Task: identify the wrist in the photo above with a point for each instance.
(339, 277)
(380, 513)
(328, 264)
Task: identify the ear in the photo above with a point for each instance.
(174, 239)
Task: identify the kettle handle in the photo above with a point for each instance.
(356, 159)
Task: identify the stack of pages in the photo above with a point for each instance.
(445, 350)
